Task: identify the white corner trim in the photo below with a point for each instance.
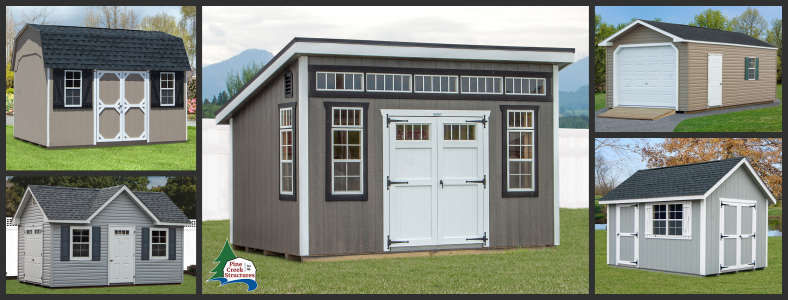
(643, 200)
(556, 169)
(302, 122)
(232, 192)
(616, 76)
(48, 105)
(703, 241)
(607, 234)
(752, 173)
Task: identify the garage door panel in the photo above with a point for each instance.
(646, 76)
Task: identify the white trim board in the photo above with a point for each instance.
(616, 76)
(556, 168)
(48, 105)
(643, 200)
(232, 207)
(302, 124)
(317, 48)
(607, 42)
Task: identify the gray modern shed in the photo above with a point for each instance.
(700, 219)
(687, 68)
(84, 87)
(76, 237)
(355, 146)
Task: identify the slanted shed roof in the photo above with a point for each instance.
(71, 47)
(692, 34)
(79, 204)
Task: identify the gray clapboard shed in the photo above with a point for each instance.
(76, 237)
(86, 87)
(700, 219)
(355, 146)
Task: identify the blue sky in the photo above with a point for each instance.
(73, 15)
(154, 180)
(677, 14)
(628, 165)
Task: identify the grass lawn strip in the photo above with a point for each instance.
(189, 286)
(756, 120)
(600, 101)
(21, 155)
(549, 271)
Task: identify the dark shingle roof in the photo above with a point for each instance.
(708, 35)
(65, 203)
(682, 180)
(111, 49)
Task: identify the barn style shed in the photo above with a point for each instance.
(355, 146)
(685, 68)
(80, 86)
(700, 219)
(77, 237)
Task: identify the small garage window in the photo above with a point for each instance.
(525, 86)
(158, 245)
(73, 88)
(286, 151)
(751, 68)
(519, 143)
(346, 169)
(80, 243)
(481, 85)
(669, 220)
(167, 88)
(329, 81)
(388, 82)
(435, 84)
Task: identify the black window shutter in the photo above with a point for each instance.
(155, 82)
(65, 243)
(288, 84)
(58, 94)
(179, 96)
(96, 243)
(87, 83)
(145, 243)
(171, 242)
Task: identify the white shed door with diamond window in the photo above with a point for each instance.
(646, 76)
(34, 249)
(437, 187)
(121, 106)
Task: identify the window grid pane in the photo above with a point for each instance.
(340, 81)
(436, 84)
(73, 88)
(286, 151)
(525, 86)
(520, 144)
(167, 88)
(346, 137)
(482, 85)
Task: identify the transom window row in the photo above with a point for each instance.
(459, 132)
(413, 132)
(525, 86)
(378, 82)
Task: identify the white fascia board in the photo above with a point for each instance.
(661, 199)
(607, 42)
(70, 221)
(302, 122)
(172, 224)
(312, 48)
(744, 161)
(727, 44)
(139, 203)
(22, 204)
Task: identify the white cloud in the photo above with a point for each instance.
(229, 30)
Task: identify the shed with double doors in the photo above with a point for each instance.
(354, 146)
(686, 68)
(78, 237)
(700, 219)
(81, 87)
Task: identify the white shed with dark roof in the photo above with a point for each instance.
(686, 68)
(80, 86)
(76, 237)
(700, 219)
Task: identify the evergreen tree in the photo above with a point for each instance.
(182, 190)
(214, 100)
(206, 102)
(226, 255)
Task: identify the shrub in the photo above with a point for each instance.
(191, 270)
(9, 91)
(9, 104)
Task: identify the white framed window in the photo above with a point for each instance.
(459, 132)
(286, 151)
(377, 82)
(525, 86)
(73, 88)
(668, 220)
(331, 81)
(346, 151)
(521, 156)
(413, 132)
(158, 243)
(167, 88)
(81, 248)
(435, 84)
(751, 69)
(482, 85)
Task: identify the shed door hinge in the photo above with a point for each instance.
(483, 121)
(389, 120)
(483, 238)
(483, 181)
(395, 242)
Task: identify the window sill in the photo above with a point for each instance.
(159, 257)
(287, 197)
(347, 197)
(517, 194)
(665, 237)
(81, 258)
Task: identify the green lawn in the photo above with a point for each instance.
(598, 214)
(189, 286)
(599, 101)
(548, 271)
(775, 212)
(21, 155)
(612, 280)
(757, 120)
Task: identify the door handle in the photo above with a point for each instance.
(441, 184)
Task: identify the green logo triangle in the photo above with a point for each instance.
(226, 255)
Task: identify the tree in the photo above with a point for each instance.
(751, 23)
(225, 256)
(602, 31)
(765, 155)
(223, 98)
(38, 15)
(12, 200)
(206, 102)
(605, 175)
(188, 25)
(235, 81)
(214, 101)
(161, 22)
(182, 190)
(112, 17)
(711, 18)
(775, 38)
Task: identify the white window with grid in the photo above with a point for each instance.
(669, 220)
(481, 85)
(751, 68)
(158, 243)
(167, 88)
(346, 151)
(521, 154)
(435, 84)
(331, 81)
(525, 86)
(286, 151)
(388, 82)
(73, 88)
(80, 243)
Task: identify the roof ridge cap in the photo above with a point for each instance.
(698, 163)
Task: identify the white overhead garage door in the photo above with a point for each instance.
(647, 76)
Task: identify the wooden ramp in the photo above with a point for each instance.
(637, 113)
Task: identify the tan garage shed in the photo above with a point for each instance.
(686, 68)
(80, 86)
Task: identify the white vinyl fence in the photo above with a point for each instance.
(12, 234)
(574, 167)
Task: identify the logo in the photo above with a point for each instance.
(233, 269)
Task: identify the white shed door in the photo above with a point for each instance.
(121, 106)
(715, 79)
(647, 77)
(627, 234)
(436, 182)
(34, 248)
(737, 235)
(121, 254)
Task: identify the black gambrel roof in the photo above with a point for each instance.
(67, 203)
(673, 181)
(71, 47)
(708, 35)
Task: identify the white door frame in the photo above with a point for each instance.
(635, 234)
(708, 93)
(399, 114)
(99, 105)
(133, 235)
(738, 203)
(616, 76)
(40, 256)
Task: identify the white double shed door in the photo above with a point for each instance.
(436, 167)
(122, 106)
